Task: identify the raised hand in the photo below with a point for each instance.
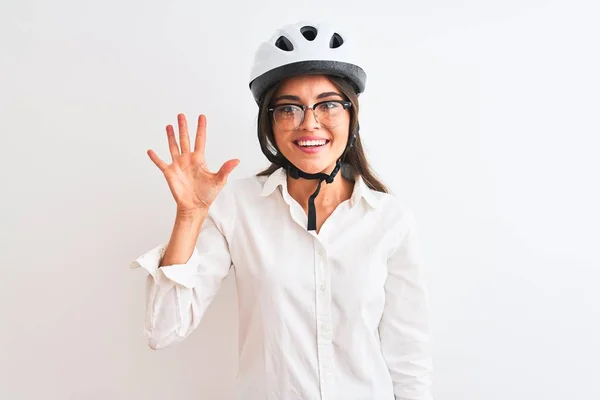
(193, 186)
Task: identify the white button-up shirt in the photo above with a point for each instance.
(337, 315)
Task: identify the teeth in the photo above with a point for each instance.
(312, 142)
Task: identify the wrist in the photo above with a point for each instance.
(191, 215)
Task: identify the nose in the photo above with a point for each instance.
(310, 122)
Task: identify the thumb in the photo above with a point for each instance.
(226, 169)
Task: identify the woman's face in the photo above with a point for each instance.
(311, 146)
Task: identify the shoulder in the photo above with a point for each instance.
(391, 203)
(239, 190)
(234, 197)
(244, 187)
(395, 209)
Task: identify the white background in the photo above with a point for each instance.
(483, 115)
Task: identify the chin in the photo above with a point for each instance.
(312, 166)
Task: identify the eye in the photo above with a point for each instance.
(328, 106)
(287, 109)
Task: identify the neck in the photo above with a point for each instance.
(330, 195)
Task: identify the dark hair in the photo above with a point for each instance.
(355, 158)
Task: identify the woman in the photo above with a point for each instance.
(330, 294)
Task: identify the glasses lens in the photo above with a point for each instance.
(288, 117)
(329, 113)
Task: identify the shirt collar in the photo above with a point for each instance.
(274, 180)
(361, 190)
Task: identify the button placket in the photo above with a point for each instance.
(323, 323)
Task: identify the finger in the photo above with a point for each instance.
(173, 148)
(200, 141)
(156, 160)
(184, 137)
(226, 169)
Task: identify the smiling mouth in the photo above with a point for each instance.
(311, 143)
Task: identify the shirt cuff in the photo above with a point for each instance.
(182, 274)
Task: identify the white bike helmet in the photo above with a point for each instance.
(301, 49)
(305, 48)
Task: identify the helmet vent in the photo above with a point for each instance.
(309, 32)
(336, 41)
(284, 44)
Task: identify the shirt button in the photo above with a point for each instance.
(321, 251)
(323, 287)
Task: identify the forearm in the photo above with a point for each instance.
(183, 237)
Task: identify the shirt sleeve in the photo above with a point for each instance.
(178, 295)
(404, 327)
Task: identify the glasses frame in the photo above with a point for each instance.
(345, 104)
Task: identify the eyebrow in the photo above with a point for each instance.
(296, 98)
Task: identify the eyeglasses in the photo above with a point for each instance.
(289, 117)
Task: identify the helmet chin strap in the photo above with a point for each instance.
(296, 173)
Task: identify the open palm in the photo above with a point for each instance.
(192, 184)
